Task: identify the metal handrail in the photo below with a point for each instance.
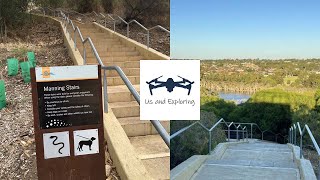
(293, 140)
(221, 121)
(240, 127)
(262, 132)
(158, 126)
(163, 133)
(136, 22)
(105, 21)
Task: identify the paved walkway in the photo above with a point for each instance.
(251, 161)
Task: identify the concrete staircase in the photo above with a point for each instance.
(146, 141)
(257, 160)
(250, 161)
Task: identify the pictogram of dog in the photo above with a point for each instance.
(87, 143)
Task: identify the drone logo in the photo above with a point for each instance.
(170, 84)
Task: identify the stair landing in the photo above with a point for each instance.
(251, 161)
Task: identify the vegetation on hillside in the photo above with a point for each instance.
(254, 75)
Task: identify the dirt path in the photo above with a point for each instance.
(17, 150)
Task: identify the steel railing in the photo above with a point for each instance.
(293, 140)
(131, 22)
(276, 135)
(158, 126)
(239, 128)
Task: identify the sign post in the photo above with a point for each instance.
(68, 122)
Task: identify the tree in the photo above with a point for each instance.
(317, 99)
(142, 10)
(49, 3)
(107, 5)
(10, 11)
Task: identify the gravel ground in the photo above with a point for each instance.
(17, 152)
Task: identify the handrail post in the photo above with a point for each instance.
(247, 135)
(251, 131)
(262, 135)
(105, 22)
(148, 38)
(114, 26)
(295, 135)
(301, 148)
(209, 142)
(128, 30)
(75, 40)
(289, 136)
(276, 138)
(105, 93)
(228, 134)
(243, 135)
(237, 134)
(84, 55)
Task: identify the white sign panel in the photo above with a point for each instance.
(56, 144)
(63, 73)
(170, 90)
(86, 142)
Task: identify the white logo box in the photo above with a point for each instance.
(176, 104)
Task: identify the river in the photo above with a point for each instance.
(237, 98)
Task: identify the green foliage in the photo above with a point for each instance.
(305, 115)
(142, 10)
(49, 3)
(107, 5)
(84, 6)
(214, 104)
(11, 12)
(317, 100)
(271, 109)
(262, 73)
(278, 96)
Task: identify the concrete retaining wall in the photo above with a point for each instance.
(305, 166)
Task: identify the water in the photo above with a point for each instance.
(237, 98)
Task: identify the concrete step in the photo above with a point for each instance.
(133, 126)
(98, 35)
(125, 109)
(133, 64)
(121, 49)
(154, 154)
(100, 45)
(257, 155)
(122, 60)
(105, 53)
(127, 72)
(121, 93)
(222, 172)
(100, 42)
(261, 163)
(117, 80)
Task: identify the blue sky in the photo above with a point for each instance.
(216, 29)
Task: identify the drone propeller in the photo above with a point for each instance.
(186, 80)
(153, 80)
